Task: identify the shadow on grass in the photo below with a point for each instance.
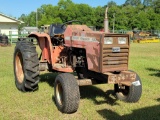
(93, 92)
(89, 92)
(48, 78)
(156, 72)
(158, 99)
(147, 113)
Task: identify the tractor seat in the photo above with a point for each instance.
(56, 29)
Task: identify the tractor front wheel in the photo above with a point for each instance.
(129, 93)
(26, 66)
(66, 92)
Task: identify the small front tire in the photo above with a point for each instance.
(66, 91)
(129, 93)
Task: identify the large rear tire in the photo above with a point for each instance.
(129, 93)
(26, 66)
(66, 91)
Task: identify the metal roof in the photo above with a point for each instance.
(19, 21)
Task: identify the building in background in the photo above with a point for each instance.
(9, 25)
(28, 30)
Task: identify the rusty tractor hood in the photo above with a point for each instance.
(104, 52)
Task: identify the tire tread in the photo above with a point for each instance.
(30, 66)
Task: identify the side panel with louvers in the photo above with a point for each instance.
(115, 61)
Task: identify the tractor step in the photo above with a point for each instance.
(85, 82)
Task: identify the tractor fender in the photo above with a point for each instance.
(45, 45)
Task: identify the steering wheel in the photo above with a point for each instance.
(70, 23)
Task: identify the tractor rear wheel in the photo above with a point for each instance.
(66, 91)
(26, 66)
(129, 93)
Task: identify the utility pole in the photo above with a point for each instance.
(113, 21)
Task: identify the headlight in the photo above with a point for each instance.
(108, 40)
(122, 40)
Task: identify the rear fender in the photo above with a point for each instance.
(45, 45)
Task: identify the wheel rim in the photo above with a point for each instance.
(125, 91)
(59, 93)
(19, 67)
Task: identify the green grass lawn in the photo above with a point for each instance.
(97, 102)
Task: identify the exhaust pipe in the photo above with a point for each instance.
(106, 23)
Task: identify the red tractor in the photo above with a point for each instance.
(96, 57)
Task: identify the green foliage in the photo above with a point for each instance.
(99, 13)
(111, 3)
(143, 15)
(133, 2)
(156, 6)
(147, 2)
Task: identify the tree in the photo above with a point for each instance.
(154, 19)
(147, 2)
(67, 10)
(23, 18)
(131, 15)
(111, 3)
(86, 14)
(156, 6)
(48, 14)
(133, 2)
(99, 18)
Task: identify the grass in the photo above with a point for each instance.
(97, 102)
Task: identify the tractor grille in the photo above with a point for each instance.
(115, 61)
